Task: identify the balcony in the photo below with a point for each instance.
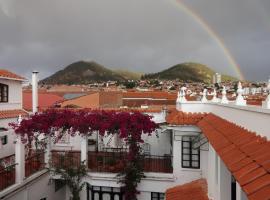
(34, 163)
(7, 176)
(110, 161)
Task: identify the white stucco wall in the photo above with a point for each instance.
(185, 175)
(37, 189)
(8, 149)
(253, 118)
(15, 95)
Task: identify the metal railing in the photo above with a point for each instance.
(34, 163)
(106, 161)
(161, 164)
(62, 159)
(7, 176)
(113, 162)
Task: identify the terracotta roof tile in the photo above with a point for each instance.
(5, 114)
(262, 194)
(244, 153)
(9, 75)
(256, 185)
(150, 94)
(45, 100)
(180, 118)
(196, 190)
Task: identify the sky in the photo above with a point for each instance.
(138, 35)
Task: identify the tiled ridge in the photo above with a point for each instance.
(245, 154)
(181, 118)
(5, 114)
(7, 74)
(196, 190)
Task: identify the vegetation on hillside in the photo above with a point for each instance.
(129, 75)
(83, 72)
(187, 72)
(89, 72)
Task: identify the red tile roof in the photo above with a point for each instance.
(5, 114)
(245, 154)
(45, 100)
(181, 118)
(196, 190)
(9, 75)
(150, 94)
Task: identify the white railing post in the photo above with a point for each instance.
(19, 160)
(84, 149)
(204, 96)
(48, 151)
(224, 96)
(240, 101)
(266, 103)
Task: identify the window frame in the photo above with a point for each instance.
(4, 140)
(158, 196)
(4, 95)
(190, 153)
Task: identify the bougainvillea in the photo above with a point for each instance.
(129, 125)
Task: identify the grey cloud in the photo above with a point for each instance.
(140, 35)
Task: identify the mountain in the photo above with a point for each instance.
(188, 72)
(83, 72)
(129, 75)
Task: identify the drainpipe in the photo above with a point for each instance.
(34, 92)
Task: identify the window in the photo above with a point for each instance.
(4, 140)
(104, 193)
(3, 93)
(190, 156)
(157, 196)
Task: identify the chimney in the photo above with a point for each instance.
(34, 91)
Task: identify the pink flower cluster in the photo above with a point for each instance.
(84, 122)
(129, 125)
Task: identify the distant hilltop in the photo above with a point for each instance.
(187, 72)
(83, 72)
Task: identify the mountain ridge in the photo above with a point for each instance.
(84, 72)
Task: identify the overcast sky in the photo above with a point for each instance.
(139, 35)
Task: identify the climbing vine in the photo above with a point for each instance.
(128, 125)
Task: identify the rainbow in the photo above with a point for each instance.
(213, 35)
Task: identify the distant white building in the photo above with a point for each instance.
(216, 78)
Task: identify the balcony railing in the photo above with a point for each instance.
(7, 176)
(34, 163)
(109, 161)
(161, 164)
(66, 158)
(106, 161)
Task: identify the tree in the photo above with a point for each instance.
(130, 126)
(71, 174)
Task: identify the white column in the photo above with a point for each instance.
(266, 103)
(34, 91)
(84, 149)
(48, 151)
(224, 182)
(211, 172)
(19, 160)
(240, 195)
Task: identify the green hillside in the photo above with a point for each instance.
(83, 72)
(187, 72)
